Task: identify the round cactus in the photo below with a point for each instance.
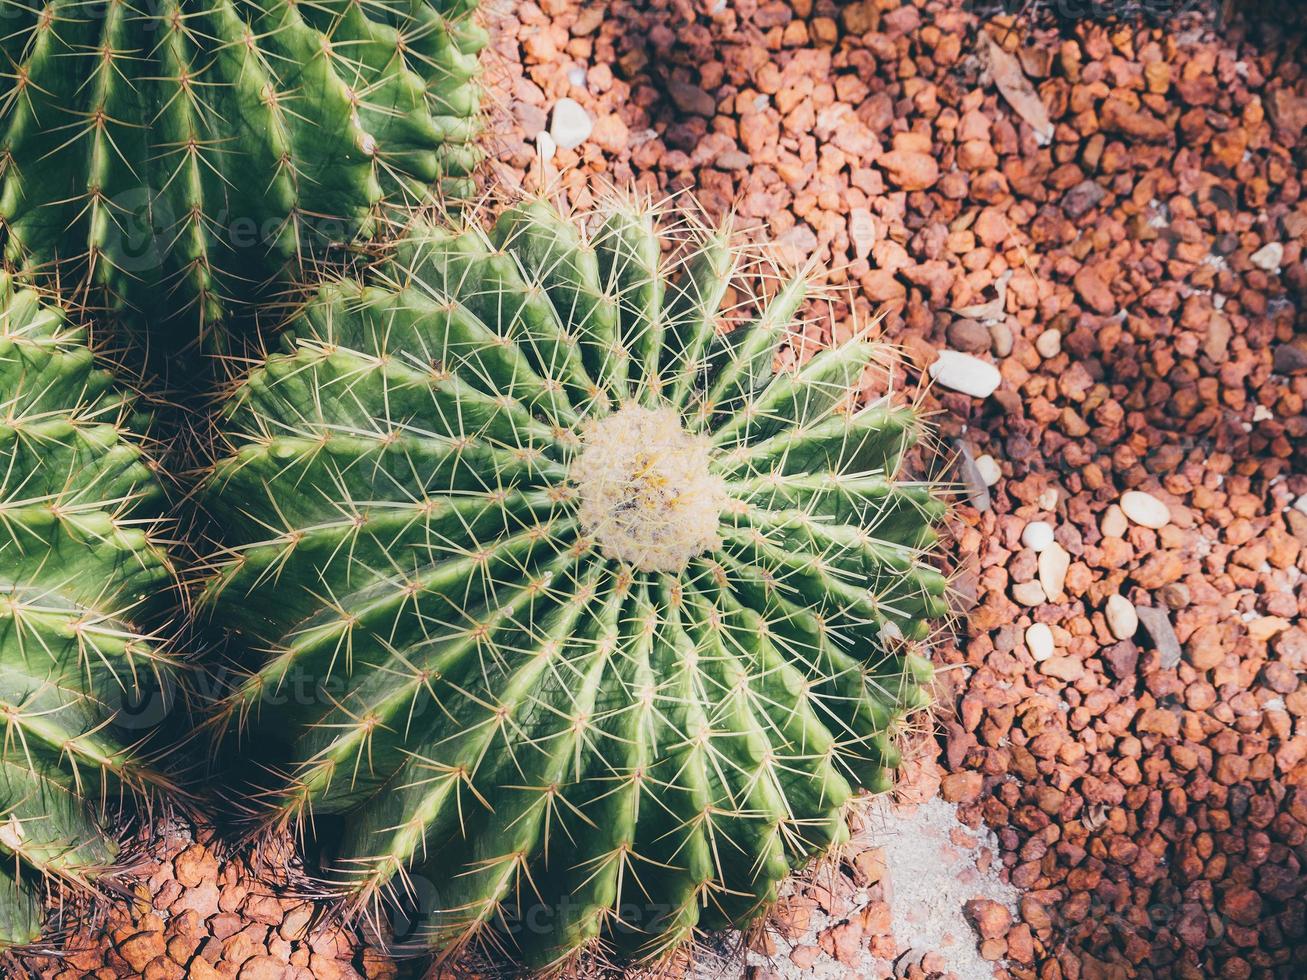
(179, 153)
(555, 595)
(80, 572)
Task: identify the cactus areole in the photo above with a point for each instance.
(171, 156)
(578, 620)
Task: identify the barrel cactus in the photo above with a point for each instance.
(554, 596)
(82, 577)
(176, 154)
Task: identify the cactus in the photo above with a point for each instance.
(553, 594)
(179, 153)
(80, 572)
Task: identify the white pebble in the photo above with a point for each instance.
(1299, 505)
(1261, 413)
(571, 124)
(1037, 535)
(1268, 257)
(1054, 563)
(988, 468)
(545, 146)
(1114, 522)
(862, 232)
(1049, 343)
(1122, 619)
(1145, 509)
(964, 373)
(576, 76)
(1048, 499)
(1039, 641)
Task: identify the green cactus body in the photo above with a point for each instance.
(180, 153)
(79, 573)
(563, 599)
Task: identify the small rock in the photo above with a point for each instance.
(909, 170)
(990, 918)
(1081, 199)
(969, 335)
(1037, 535)
(1290, 358)
(961, 787)
(989, 469)
(1049, 343)
(571, 124)
(262, 968)
(1094, 290)
(1114, 523)
(1054, 563)
(1269, 257)
(691, 99)
(1174, 594)
(140, 949)
(977, 488)
(1158, 626)
(1039, 641)
(1001, 339)
(545, 146)
(1029, 593)
(1145, 509)
(1122, 619)
(862, 232)
(964, 373)
(1067, 669)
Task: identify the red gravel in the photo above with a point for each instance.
(1153, 812)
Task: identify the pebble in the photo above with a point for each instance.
(1037, 535)
(1054, 563)
(1029, 593)
(1114, 523)
(1269, 257)
(1159, 628)
(862, 232)
(571, 125)
(964, 373)
(1049, 343)
(1122, 619)
(1145, 509)
(972, 478)
(545, 145)
(990, 472)
(969, 335)
(1001, 339)
(1039, 641)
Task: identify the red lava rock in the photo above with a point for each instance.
(909, 170)
(1092, 287)
(263, 938)
(990, 918)
(961, 787)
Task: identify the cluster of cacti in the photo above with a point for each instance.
(558, 595)
(175, 154)
(81, 579)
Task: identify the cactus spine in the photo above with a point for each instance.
(175, 154)
(557, 596)
(80, 572)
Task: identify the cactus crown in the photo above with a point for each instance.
(645, 490)
(175, 154)
(561, 609)
(81, 571)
